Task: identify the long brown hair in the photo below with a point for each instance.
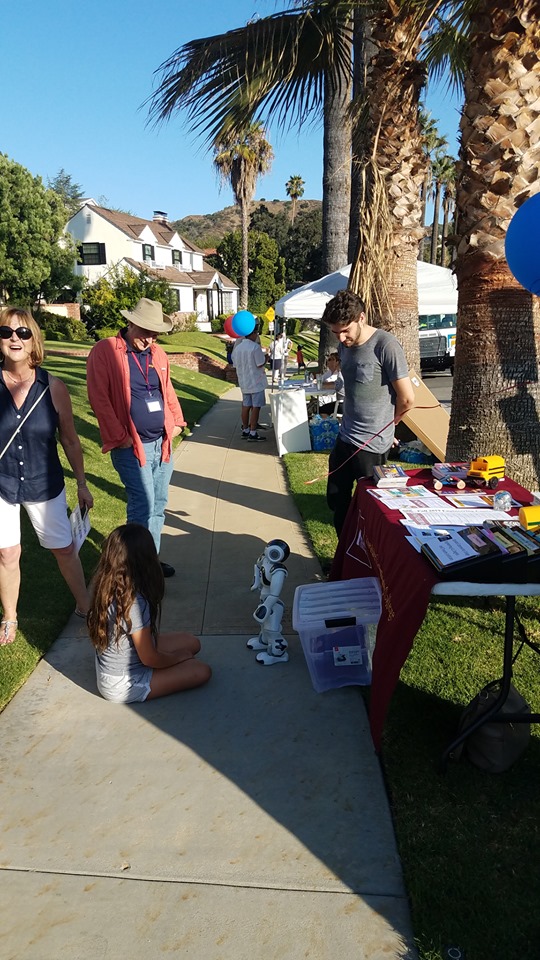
(128, 566)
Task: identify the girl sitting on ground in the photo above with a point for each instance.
(133, 660)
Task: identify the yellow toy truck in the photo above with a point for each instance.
(486, 471)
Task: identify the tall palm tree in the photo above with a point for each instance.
(442, 166)
(391, 227)
(293, 64)
(431, 142)
(295, 190)
(496, 395)
(240, 159)
(449, 194)
(296, 67)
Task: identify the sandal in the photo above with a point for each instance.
(8, 631)
(79, 613)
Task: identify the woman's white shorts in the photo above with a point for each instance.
(49, 519)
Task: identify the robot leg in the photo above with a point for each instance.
(257, 643)
(276, 646)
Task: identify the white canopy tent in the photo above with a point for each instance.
(437, 293)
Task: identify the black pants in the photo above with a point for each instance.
(345, 467)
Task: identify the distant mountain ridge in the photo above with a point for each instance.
(206, 230)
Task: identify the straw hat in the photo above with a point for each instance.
(148, 315)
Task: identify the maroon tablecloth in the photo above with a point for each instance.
(373, 544)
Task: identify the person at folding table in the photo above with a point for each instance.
(138, 413)
(378, 392)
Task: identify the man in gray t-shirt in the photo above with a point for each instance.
(378, 392)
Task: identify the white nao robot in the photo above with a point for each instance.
(270, 574)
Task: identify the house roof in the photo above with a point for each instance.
(184, 278)
(134, 226)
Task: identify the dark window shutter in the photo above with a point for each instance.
(102, 257)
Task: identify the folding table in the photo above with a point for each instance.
(372, 543)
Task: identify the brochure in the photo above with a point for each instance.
(80, 526)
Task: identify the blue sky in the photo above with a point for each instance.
(74, 77)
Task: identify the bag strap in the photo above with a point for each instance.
(25, 418)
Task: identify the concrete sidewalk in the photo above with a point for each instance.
(244, 820)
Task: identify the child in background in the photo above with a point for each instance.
(300, 358)
(134, 661)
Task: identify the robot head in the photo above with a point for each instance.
(277, 551)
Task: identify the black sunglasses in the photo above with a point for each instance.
(23, 333)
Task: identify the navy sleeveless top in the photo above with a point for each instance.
(30, 470)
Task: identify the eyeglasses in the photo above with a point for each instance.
(23, 333)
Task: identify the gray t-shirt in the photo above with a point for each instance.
(121, 659)
(368, 372)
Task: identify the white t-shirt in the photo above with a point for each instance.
(249, 360)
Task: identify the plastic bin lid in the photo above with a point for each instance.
(317, 604)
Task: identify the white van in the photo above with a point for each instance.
(437, 332)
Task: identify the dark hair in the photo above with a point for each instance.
(343, 309)
(128, 566)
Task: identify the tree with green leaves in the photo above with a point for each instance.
(303, 248)
(70, 192)
(295, 190)
(266, 267)
(120, 289)
(276, 225)
(241, 158)
(32, 220)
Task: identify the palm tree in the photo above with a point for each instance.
(431, 142)
(449, 194)
(295, 190)
(442, 167)
(296, 66)
(240, 160)
(496, 395)
(292, 65)
(391, 227)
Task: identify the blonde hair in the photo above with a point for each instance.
(38, 347)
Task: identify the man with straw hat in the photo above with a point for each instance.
(138, 413)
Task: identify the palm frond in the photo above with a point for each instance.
(274, 65)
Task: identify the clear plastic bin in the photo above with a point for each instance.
(337, 624)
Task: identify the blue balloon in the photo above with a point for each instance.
(243, 323)
(522, 244)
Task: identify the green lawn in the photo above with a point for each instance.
(45, 602)
(469, 841)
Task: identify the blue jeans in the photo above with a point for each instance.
(147, 487)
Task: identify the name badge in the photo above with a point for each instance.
(153, 406)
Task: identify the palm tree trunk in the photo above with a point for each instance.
(384, 270)
(244, 289)
(496, 394)
(435, 224)
(336, 186)
(444, 233)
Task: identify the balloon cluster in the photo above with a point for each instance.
(240, 324)
(522, 244)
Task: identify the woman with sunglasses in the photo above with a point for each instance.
(35, 407)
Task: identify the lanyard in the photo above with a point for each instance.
(145, 375)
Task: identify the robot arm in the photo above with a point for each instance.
(256, 575)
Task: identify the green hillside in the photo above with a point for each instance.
(206, 230)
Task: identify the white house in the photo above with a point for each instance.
(106, 238)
